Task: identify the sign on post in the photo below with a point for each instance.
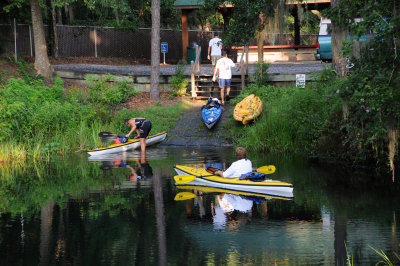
(301, 80)
(164, 49)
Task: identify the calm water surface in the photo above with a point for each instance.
(89, 211)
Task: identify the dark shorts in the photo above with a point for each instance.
(145, 129)
(224, 82)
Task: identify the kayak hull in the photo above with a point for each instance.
(264, 194)
(205, 179)
(248, 109)
(129, 145)
(211, 115)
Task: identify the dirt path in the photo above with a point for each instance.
(191, 131)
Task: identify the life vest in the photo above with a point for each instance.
(253, 176)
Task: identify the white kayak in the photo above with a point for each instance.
(129, 145)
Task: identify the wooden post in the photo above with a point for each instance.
(247, 64)
(192, 66)
(185, 33)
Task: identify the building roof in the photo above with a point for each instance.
(194, 4)
(188, 4)
(299, 2)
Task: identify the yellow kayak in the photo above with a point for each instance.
(248, 109)
(191, 176)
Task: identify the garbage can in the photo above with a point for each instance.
(191, 52)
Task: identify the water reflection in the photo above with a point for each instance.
(71, 211)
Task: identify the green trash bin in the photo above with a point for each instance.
(191, 54)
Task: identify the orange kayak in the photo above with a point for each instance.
(248, 109)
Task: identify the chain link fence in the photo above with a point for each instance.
(85, 41)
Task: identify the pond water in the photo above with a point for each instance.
(89, 211)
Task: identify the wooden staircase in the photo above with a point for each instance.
(205, 88)
(202, 87)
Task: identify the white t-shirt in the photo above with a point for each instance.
(238, 168)
(216, 46)
(224, 66)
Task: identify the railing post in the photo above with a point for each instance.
(194, 94)
(242, 66)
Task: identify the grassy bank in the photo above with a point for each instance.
(38, 118)
(293, 119)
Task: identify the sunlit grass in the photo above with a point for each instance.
(10, 151)
(85, 135)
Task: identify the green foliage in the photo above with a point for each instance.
(244, 23)
(179, 82)
(261, 77)
(107, 91)
(293, 119)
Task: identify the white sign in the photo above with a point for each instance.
(301, 80)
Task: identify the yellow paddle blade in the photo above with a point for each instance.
(184, 196)
(268, 169)
(182, 179)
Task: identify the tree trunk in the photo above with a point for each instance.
(54, 23)
(155, 50)
(338, 34)
(71, 13)
(59, 16)
(117, 16)
(42, 63)
(46, 222)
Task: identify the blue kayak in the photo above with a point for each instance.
(211, 112)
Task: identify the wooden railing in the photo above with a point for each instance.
(194, 70)
(241, 65)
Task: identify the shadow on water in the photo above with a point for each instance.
(86, 210)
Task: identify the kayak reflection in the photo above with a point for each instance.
(229, 209)
(139, 169)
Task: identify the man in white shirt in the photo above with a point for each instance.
(224, 73)
(238, 168)
(214, 49)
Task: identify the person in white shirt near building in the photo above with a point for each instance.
(224, 73)
(238, 168)
(214, 49)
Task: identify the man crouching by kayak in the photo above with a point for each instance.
(142, 126)
(238, 168)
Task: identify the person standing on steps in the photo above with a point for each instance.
(224, 73)
(214, 49)
(142, 126)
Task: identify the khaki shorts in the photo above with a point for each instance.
(214, 59)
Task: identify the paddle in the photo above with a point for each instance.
(268, 169)
(184, 196)
(182, 179)
(106, 134)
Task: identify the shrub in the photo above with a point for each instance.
(178, 81)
